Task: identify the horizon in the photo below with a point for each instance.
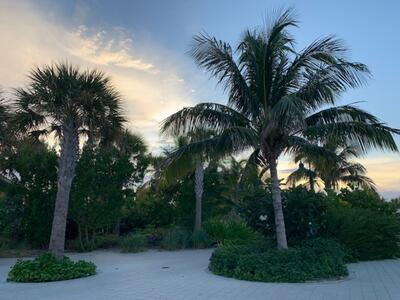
(144, 51)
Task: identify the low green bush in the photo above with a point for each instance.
(154, 235)
(311, 260)
(135, 242)
(176, 238)
(47, 267)
(100, 242)
(366, 234)
(199, 239)
(229, 232)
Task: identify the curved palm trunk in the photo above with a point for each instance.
(66, 173)
(198, 187)
(278, 210)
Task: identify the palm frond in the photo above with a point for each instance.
(207, 116)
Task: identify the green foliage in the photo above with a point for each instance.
(176, 238)
(100, 242)
(229, 231)
(27, 204)
(161, 205)
(367, 198)
(154, 235)
(97, 196)
(312, 260)
(135, 242)
(47, 267)
(366, 234)
(199, 239)
(304, 212)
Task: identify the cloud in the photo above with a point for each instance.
(107, 48)
(151, 91)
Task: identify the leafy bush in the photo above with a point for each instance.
(100, 242)
(47, 267)
(135, 242)
(366, 234)
(362, 199)
(229, 231)
(175, 238)
(304, 212)
(312, 260)
(154, 235)
(199, 239)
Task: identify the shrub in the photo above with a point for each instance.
(199, 239)
(154, 235)
(175, 238)
(107, 241)
(100, 242)
(229, 232)
(304, 212)
(368, 199)
(312, 260)
(366, 234)
(135, 242)
(47, 267)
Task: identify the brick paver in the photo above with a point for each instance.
(184, 275)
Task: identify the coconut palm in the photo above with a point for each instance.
(63, 100)
(193, 163)
(303, 174)
(278, 101)
(334, 172)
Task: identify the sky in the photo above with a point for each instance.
(143, 45)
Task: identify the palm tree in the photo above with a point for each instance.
(303, 174)
(192, 163)
(333, 172)
(62, 99)
(277, 99)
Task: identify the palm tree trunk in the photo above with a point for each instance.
(312, 183)
(199, 186)
(66, 173)
(278, 210)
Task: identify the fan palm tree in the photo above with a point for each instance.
(62, 99)
(277, 101)
(333, 172)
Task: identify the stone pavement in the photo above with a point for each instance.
(184, 275)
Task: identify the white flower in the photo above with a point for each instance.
(263, 217)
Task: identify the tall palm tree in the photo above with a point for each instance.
(194, 163)
(277, 99)
(62, 99)
(333, 172)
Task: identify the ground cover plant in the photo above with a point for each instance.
(47, 267)
(311, 260)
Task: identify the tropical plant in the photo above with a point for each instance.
(334, 173)
(277, 99)
(310, 260)
(48, 267)
(63, 100)
(196, 163)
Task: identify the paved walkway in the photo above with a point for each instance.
(184, 275)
